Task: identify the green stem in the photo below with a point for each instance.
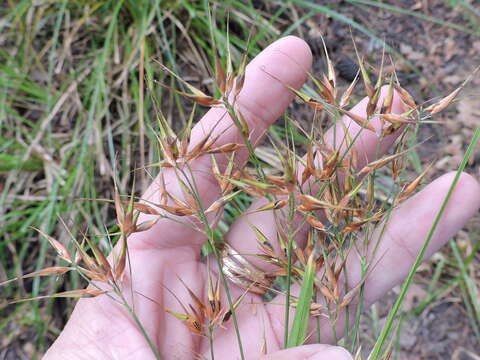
(375, 354)
(291, 202)
(210, 236)
(139, 323)
(210, 340)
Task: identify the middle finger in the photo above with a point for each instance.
(368, 145)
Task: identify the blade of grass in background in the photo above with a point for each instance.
(472, 298)
(420, 15)
(328, 11)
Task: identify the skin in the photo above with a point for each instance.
(101, 329)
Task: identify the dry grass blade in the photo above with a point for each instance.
(195, 93)
(350, 295)
(102, 262)
(354, 226)
(145, 209)
(178, 210)
(87, 259)
(207, 101)
(261, 238)
(330, 68)
(244, 128)
(220, 77)
(192, 319)
(121, 261)
(240, 77)
(235, 305)
(307, 99)
(373, 102)
(119, 207)
(193, 324)
(326, 89)
(214, 299)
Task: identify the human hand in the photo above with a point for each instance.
(100, 328)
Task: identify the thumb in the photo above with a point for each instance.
(311, 352)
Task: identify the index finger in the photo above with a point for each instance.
(262, 100)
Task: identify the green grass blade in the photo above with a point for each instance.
(399, 10)
(472, 293)
(375, 354)
(298, 334)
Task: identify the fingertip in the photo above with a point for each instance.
(311, 352)
(370, 144)
(466, 180)
(332, 353)
(292, 54)
(298, 47)
(265, 95)
(466, 191)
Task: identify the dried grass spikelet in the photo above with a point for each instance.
(220, 203)
(443, 103)
(48, 271)
(410, 187)
(345, 99)
(79, 293)
(177, 151)
(361, 121)
(310, 203)
(194, 94)
(228, 81)
(242, 273)
(203, 317)
(96, 268)
(377, 164)
(407, 99)
(62, 252)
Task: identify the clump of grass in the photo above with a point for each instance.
(327, 190)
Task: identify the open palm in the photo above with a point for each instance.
(99, 328)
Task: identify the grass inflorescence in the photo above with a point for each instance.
(319, 185)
